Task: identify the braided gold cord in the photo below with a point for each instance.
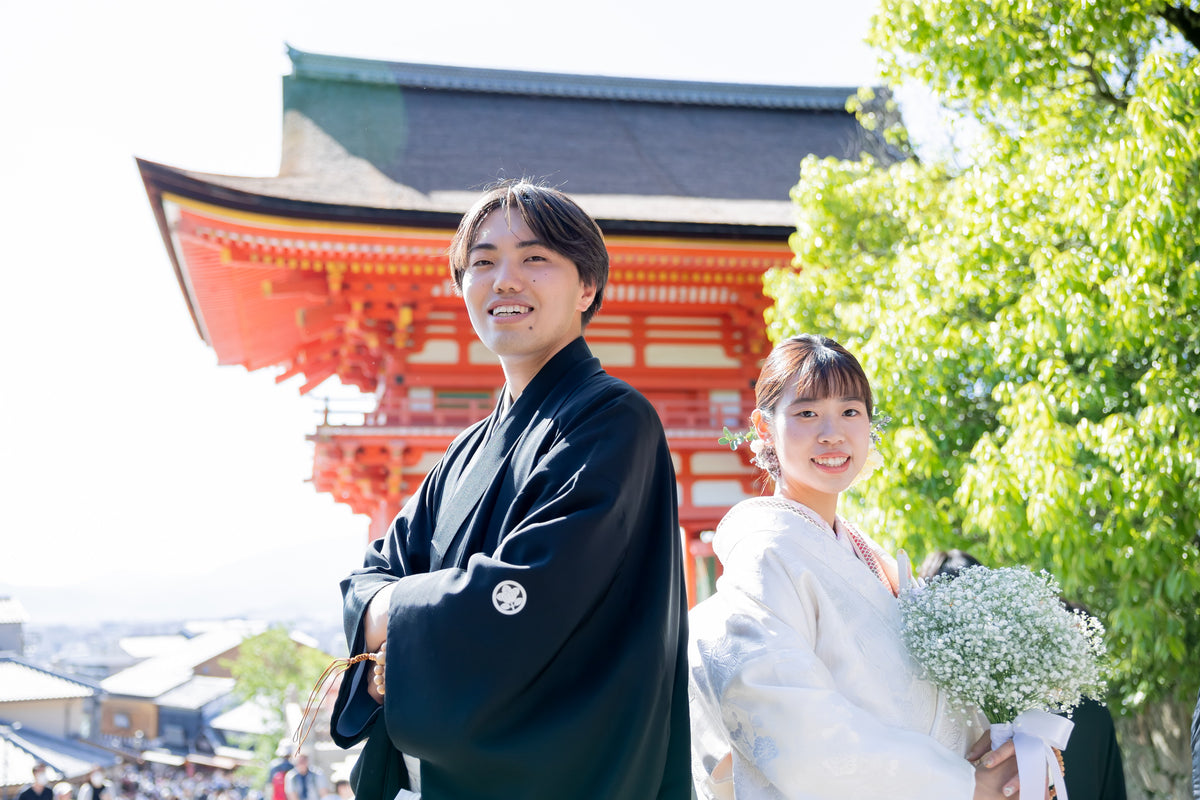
(310, 708)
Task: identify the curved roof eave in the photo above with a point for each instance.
(446, 213)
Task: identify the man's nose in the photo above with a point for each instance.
(507, 275)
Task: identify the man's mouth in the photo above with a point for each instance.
(509, 310)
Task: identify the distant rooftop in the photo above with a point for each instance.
(11, 611)
(22, 747)
(249, 717)
(196, 693)
(140, 647)
(160, 674)
(22, 681)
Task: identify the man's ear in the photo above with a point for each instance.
(585, 298)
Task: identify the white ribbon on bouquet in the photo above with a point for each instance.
(1033, 734)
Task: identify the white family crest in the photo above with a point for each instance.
(509, 597)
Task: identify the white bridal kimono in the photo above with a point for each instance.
(800, 686)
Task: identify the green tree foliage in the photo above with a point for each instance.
(272, 670)
(1031, 320)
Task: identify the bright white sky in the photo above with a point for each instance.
(125, 447)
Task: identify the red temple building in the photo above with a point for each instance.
(337, 267)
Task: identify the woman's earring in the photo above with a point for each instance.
(765, 457)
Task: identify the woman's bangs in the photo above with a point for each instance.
(832, 377)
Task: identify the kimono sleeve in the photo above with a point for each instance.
(404, 549)
(387, 560)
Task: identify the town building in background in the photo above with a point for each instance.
(170, 705)
(49, 717)
(170, 698)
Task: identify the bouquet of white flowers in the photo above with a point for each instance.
(1001, 640)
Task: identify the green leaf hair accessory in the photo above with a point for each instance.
(736, 440)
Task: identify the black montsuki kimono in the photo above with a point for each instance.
(537, 635)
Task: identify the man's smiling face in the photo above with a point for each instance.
(525, 300)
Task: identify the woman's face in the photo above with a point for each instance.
(822, 444)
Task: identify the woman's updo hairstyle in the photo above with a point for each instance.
(823, 368)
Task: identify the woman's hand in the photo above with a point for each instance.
(995, 770)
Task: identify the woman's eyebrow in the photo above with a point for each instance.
(796, 401)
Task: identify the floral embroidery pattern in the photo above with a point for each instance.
(762, 749)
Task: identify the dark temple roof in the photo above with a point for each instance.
(421, 138)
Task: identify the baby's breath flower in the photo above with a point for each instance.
(1000, 640)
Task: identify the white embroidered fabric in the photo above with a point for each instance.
(800, 685)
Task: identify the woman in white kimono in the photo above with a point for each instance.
(800, 686)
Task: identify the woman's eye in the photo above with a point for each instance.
(806, 413)
(852, 412)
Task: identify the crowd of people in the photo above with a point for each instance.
(154, 781)
(147, 781)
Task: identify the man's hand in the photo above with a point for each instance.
(376, 687)
(375, 623)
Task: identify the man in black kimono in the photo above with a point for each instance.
(529, 597)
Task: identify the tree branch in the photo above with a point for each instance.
(1185, 20)
(1133, 57)
(1103, 90)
